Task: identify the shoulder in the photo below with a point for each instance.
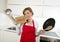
(19, 25)
(35, 20)
(35, 23)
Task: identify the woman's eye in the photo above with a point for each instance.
(27, 12)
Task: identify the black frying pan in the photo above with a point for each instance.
(49, 22)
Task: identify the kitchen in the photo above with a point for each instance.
(44, 9)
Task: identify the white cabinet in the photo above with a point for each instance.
(6, 36)
(35, 2)
(52, 2)
(2, 5)
(17, 6)
(26, 2)
(51, 12)
(1, 36)
(18, 9)
(16, 1)
(5, 21)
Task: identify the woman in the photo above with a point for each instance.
(29, 28)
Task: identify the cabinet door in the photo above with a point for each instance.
(8, 37)
(52, 2)
(26, 2)
(53, 12)
(1, 36)
(16, 1)
(2, 5)
(18, 10)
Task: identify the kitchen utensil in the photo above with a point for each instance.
(49, 24)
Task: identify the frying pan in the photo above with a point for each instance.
(49, 24)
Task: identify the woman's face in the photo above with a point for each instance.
(28, 14)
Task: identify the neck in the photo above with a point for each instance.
(29, 20)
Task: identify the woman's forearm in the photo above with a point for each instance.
(41, 32)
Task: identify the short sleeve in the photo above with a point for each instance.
(38, 27)
(19, 28)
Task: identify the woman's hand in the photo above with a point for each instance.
(41, 32)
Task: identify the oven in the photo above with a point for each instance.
(49, 37)
(46, 39)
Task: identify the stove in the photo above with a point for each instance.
(49, 37)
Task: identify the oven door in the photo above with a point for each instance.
(45, 39)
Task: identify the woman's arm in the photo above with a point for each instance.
(17, 20)
(19, 29)
(41, 32)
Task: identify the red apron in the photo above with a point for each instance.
(28, 34)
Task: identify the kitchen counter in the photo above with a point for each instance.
(50, 34)
(7, 35)
(9, 29)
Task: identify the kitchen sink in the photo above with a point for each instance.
(12, 28)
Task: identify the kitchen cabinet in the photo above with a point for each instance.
(26, 2)
(52, 2)
(17, 10)
(2, 5)
(8, 36)
(51, 11)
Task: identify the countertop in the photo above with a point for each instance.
(48, 34)
(51, 34)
